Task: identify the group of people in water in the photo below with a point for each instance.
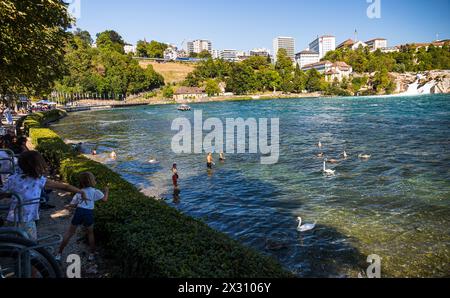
(209, 165)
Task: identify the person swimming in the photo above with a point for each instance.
(153, 161)
(209, 161)
(175, 176)
(113, 155)
(222, 157)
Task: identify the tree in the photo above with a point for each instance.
(358, 83)
(84, 36)
(33, 38)
(141, 49)
(313, 81)
(205, 54)
(381, 81)
(284, 64)
(242, 79)
(167, 92)
(156, 49)
(110, 40)
(268, 79)
(256, 62)
(208, 69)
(300, 78)
(285, 68)
(212, 87)
(104, 71)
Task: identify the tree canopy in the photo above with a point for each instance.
(409, 58)
(110, 40)
(104, 70)
(32, 41)
(153, 49)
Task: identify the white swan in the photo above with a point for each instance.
(320, 144)
(365, 156)
(327, 171)
(345, 155)
(306, 227)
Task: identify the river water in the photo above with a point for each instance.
(395, 204)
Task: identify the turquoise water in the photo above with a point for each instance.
(395, 205)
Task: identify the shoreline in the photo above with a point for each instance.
(93, 105)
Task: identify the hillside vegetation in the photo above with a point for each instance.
(173, 72)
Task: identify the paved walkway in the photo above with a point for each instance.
(56, 222)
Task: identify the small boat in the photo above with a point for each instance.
(184, 108)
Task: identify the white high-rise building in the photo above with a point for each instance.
(287, 43)
(323, 45)
(306, 57)
(189, 47)
(201, 45)
(215, 54)
(229, 55)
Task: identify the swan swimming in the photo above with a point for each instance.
(328, 171)
(345, 155)
(306, 227)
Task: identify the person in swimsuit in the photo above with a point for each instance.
(222, 157)
(175, 176)
(209, 161)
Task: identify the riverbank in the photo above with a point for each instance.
(146, 237)
(91, 104)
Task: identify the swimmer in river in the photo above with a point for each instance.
(113, 155)
(222, 157)
(175, 177)
(210, 161)
(94, 152)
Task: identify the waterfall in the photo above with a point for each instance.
(426, 89)
(414, 89)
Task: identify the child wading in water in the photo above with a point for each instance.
(84, 214)
(29, 186)
(175, 176)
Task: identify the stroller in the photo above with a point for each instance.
(7, 168)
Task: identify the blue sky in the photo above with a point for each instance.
(246, 24)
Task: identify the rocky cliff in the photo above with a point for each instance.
(438, 81)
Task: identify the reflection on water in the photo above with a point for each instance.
(395, 204)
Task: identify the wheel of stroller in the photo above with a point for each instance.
(43, 264)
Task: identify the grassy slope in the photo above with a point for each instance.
(172, 72)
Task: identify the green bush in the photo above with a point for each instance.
(39, 120)
(52, 147)
(152, 240)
